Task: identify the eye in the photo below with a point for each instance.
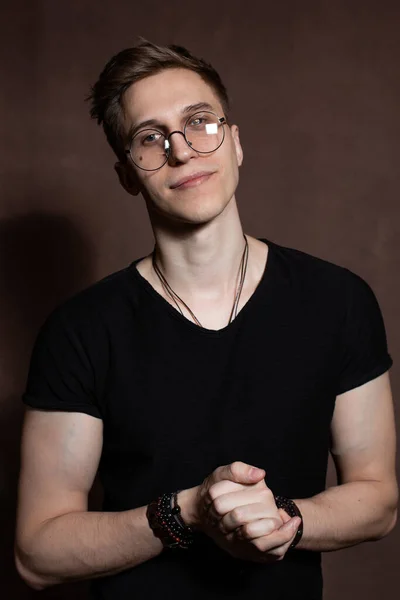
(197, 121)
(149, 139)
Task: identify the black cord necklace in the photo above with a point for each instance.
(174, 296)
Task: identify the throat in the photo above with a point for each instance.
(212, 314)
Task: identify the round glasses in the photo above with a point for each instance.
(150, 149)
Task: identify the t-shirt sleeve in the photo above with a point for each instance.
(62, 370)
(364, 352)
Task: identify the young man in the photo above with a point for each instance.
(176, 376)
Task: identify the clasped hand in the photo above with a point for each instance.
(238, 511)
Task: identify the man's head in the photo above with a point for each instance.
(161, 88)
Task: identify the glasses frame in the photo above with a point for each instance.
(221, 121)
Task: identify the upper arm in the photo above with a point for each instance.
(364, 436)
(60, 453)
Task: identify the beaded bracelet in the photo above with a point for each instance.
(166, 522)
(293, 511)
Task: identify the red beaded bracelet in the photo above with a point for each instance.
(164, 519)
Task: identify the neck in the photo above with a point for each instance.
(202, 262)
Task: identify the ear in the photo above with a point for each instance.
(238, 146)
(127, 178)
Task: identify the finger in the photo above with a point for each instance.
(273, 542)
(228, 502)
(238, 472)
(225, 487)
(217, 489)
(280, 551)
(293, 522)
(258, 528)
(284, 516)
(241, 515)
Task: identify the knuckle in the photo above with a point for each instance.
(218, 505)
(213, 492)
(258, 543)
(230, 537)
(246, 531)
(221, 527)
(237, 515)
(237, 534)
(266, 493)
(236, 467)
(217, 474)
(270, 526)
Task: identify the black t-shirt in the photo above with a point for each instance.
(178, 400)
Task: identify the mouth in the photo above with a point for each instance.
(192, 180)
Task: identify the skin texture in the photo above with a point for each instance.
(200, 242)
(364, 505)
(197, 230)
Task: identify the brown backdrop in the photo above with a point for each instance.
(316, 92)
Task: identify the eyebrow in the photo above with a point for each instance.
(155, 123)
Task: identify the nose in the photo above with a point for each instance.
(179, 149)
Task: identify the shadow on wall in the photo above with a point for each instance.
(44, 259)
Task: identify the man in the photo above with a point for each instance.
(208, 381)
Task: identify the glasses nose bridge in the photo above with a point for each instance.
(168, 145)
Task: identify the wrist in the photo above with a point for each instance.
(292, 510)
(187, 500)
(165, 519)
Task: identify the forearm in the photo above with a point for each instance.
(84, 545)
(346, 515)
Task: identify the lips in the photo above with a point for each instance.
(193, 179)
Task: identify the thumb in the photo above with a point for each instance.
(292, 525)
(240, 472)
(284, 516)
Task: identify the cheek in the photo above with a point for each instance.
(231, 158)
(153, 186)
(231, 169)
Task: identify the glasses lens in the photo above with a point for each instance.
(204, 132)
(148, 149)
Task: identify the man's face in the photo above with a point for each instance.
(165, 98)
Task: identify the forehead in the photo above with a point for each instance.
(165, 94)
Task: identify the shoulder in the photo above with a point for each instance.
(321, 285)
(312, 272)
(98, 304)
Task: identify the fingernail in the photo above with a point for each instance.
(296, 522)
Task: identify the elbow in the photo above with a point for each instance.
(27, 574)
(392, 522)
(389, 509)
(392, 511)
(387, 525)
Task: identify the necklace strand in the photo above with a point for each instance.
(243, 269)
(174, 296)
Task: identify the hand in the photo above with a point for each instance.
(249, 535)
(237, 510)
(235, 477)
(252, 527)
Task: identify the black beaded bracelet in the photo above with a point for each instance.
(166, 522)
(293, 511)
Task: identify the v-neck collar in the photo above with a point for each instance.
(162, 302)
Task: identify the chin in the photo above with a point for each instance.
(198, 211)
(201, 213)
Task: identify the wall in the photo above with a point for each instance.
(315, 91)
